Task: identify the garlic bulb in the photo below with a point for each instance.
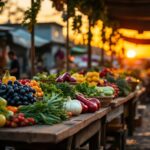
(73, 106)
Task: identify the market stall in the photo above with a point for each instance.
(53, 112)
(69, 134)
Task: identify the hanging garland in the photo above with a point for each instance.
(95, 10)
(2, 4)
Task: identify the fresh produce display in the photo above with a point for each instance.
(131, 79)
(92, 106)
(4, 112)
(35, 85)
(66, 89)
(2, 120)
(124, 87)
(7, 77)
(106, 90)
(92, 78)
(87, 90)
(79, 77)
(12, 108)
(115, 87)
(95, 91)
(84, 107)
(24, 81)
(3, 102)
(19, 120)
(95, 100)
(59, 98)
(73, 106)
(49, 88)
(50, 110)
(105, 72)
(17, 94)
(45, 77)
(66, 77)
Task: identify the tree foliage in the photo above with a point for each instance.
(31, 14)
(95, 10)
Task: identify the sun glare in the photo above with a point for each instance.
(131, 53)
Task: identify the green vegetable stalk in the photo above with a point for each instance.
(49, 111)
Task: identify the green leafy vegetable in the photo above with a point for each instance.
(67, 89)
(124, 88)
(87, 90)
(49, 111)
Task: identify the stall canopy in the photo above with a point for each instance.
(23, 38)
(78, 50)
(131, 14)
(5, 28)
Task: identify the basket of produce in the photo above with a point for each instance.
(105, 100)
(107, 96)
(45, 78)
(133, 82)
(133, 85)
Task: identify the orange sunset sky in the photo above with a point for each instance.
(49, 14)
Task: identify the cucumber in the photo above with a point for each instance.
(108, 93)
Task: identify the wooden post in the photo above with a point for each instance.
(67, 40)
(89, 45)
(102, 50)
(32, 45)
(111, 50)
(112, 56)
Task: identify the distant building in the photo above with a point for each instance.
(48, 40)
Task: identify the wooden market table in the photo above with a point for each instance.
(123, 107)
(130, 110)
(70, 134)
(67, 135)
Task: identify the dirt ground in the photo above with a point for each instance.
(141, 138)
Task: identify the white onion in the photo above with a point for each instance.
(73, 106)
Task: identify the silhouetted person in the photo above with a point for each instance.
(14, 65)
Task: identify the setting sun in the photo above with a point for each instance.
(131, 53)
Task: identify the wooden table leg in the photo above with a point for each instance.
(90, 134)
(103, 133)
(94, 143)
(131, 118)
(69, 144)
(2, 147)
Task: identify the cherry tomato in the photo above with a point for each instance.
(22, 124)
(13, 124)
(31, 121)
(8, 123)
(21, 118)
(21, 114)
(16, 120)
(26, 122)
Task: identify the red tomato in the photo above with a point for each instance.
(8, 123)
(22, 124)
(21, 118)
(21, 114)
(16, 120)
(31, 121)
(13, 124)
(27, 80)
(26, 122)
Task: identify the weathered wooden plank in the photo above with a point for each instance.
(86, 133)
(51, 134)
(121, 100)
(114, 113)
(138, 93)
